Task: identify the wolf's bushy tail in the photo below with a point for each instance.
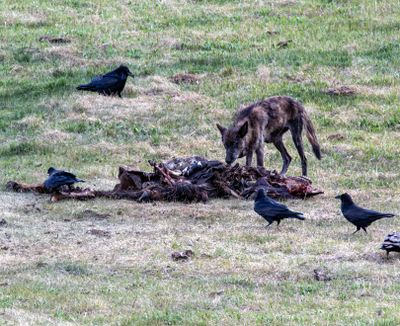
(311, 136)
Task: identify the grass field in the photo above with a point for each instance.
(54, 271)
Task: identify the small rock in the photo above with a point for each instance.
(341, 90)
(51, 39)
(216, 294)
(99, 233)
(88, 214)
(336, 137)
(321, 275)
(182, 255)
(185, 79)
(283, 44)
(3, 222)
(41, 264)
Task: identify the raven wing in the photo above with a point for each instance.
(105, 82)
(55, 181)
(96, 78)
(363, 213)
(101, 84)
(113, 73)
(359, 215)
(66, 174)
(274, 209)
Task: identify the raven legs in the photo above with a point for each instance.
(268, 225)
(359, 228)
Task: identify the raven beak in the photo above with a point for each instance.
(130, 74)
(337, 197)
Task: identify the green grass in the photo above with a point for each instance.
(54, 272)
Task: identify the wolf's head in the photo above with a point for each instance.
(234, 141)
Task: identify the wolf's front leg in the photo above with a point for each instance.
(249, 158)
(260, 156)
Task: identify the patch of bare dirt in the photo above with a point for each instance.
(171, 43)
(32, 19)
(374, 257)
(69, 55)
(95, 106)
(267, 74)
(54, 136)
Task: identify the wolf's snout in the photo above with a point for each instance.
(229, 160)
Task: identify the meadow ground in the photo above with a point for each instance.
(54, 270)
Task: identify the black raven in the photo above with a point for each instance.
(359, 216)
(109, 84)
(59, 178)
(271, 210)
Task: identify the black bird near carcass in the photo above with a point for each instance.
(359, 216)
(391, 243)
(109, 84)
(271, 210)
(59, 178)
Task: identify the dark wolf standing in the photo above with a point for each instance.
(267, 121)
(111, 83)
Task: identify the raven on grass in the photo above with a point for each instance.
(59, 178)
(359, 216)
(109, 84)
(271, 210)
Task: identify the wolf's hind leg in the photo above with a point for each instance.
(284, 153)
(296, 130)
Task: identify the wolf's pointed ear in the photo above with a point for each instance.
(243, 129)
(221, 129)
